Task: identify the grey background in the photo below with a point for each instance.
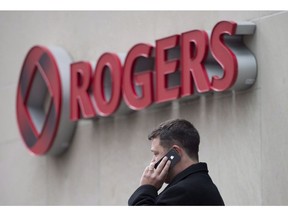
(243, 134)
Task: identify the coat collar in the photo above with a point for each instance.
(199, 167)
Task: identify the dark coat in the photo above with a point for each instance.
(193, 186)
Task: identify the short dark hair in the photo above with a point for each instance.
(180, 132)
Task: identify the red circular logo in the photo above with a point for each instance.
(39, 100)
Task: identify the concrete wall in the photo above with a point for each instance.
(243, 134)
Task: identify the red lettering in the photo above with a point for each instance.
(134, 80)
(224, 56)
(81, 73)
(112, 62)
(194, 49)
(143, 79)
(165, 67)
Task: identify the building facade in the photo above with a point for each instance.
(243, 133)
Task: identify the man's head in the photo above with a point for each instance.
(177, 132)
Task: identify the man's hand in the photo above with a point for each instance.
(155, 177)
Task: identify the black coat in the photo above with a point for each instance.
(193, 186)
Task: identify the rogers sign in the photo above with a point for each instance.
(54, 92)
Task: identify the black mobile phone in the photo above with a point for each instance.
(172, 155)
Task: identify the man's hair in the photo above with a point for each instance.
(180, 132)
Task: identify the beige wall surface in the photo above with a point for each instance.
(243, 134)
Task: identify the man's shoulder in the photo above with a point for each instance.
(194, 170)
(193, 177)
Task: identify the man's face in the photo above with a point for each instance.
(157, 150)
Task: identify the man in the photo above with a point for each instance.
(188, 180)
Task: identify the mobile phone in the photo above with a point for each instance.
(172, 155)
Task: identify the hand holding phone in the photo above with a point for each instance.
(172, 155)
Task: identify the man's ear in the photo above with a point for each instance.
(178, 149)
